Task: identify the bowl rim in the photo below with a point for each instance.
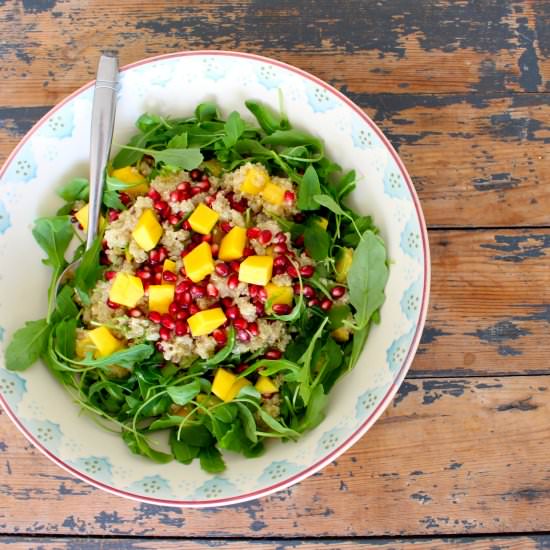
(374, 415)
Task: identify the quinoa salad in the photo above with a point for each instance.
(228, 290)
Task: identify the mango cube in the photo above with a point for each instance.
(148, 231)
(83, 346)
(137, 184)
(203, 219)
(160, 297)
(255, 180)
(322, 222)
(82, 217)
(256, 270)
(273, 193)
(127, 290)
(344, 259)
(227, 386)
(207, 321)
(266, 386)
(279, 294)
(104, 342)
(232, 245)
(199, 263)
(340, 334)
(169, 265)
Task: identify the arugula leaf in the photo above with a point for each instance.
(293, 138)
(89, 271)
(125, 358)
(178, 142)
(359, 339)
(249, 424)
(309, 187)
(211, 460)
(65, 337)
(126, 156)
(225, 352)
(27, 345)
(65, 306)
(315, 411)
(111, 199)
(316, 242)
(181, 395)
(337, 315)
(367, 277)
(188, 159)
(75, 190)
(54, 235)
(148, 121)
(234, 128)
(328, 202)
(137, 443)
(346, 185)
(276, 426)
(183, 451)
(206, 111)
(268, 121)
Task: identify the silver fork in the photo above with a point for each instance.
(101, 136)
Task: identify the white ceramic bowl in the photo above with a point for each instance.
(56, 149)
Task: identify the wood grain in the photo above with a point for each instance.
(457, 456)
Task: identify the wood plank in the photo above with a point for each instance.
(490, 304)
(49, 49)
(536, 542)
(495, 175)
(461, 456)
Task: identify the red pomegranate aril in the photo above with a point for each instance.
(187, 249)
(195, 191)
(226, 227)
(135, 312)
(222, 269)
(253, 328)
(186, 225)
(169, 277)
(146, 285)
(173, 219)
(265, 237)
(110, 275)
(240, 323)
(289, 197)
(154, 256)
(326, 304)
(182, 328)
(280, 238)
(182, 287)
(186, 298)
(153, 194)
(273, 354)
(112, 305)
(308, 291)
(184, 186)
(157, 277)
(232, 312)
(175, 196)
(155, 316)
(243, 336)
(158, 268)
(220, 336)
(196, 238)
(181, 315)
(280, 261)
(299, 217)
(204, 185)
(125, 199)
(262, 294)
(104, 260)
(280, 249)
(193, 308)
(167, 321)
(299, 241)
(279, 269)
(260, 310)
(291, 270)
(113, 215)
(206, 238)
(160, 206)
(196, 174)
(313, 302)
(241, 368)
(253, 291)
(198, 291)
(235, 266)
(173, 308)
(253, 232)
(211, 290)
(241, 206)
(281, 309)
(227, 302)
(165, 333)
(210, 200)
(307, 271)
(214, 248)
(159, 346)
(338, 291)
(248, 251)
(233, 281)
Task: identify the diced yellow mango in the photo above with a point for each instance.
(321, 222)
(148, 231)
(137, 184)
(344, 260)
(273, 193)
(255, 179)
(266, 386)
(82, 217)
(279, 294)
(169, 265)
(256, 270)
(203, 219)
(199, 263)
(160, 297)
(236, 388)
(104, 342)
(207, 321)
(127, 290)
(83, 346)
(214, 166)
(340, 334)
(227, 386)
(232, 245)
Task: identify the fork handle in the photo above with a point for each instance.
(103, 118)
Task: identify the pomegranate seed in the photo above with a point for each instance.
(169, 277)
(194, 308)
(290, 197)
(146, 285)
(186, 225)
(265, 237)
(210, 200)
(197, 291)
(241, 368)
(181, 315)
(204, 185)
(206, 238)
(280, 249)
(233, 281)
(313, 302)
(160, 206)
(262, 294)
(157, 268)
(299, 217)
(112, 305)
(211, 290)
(253, 232)
(279, 238)
(154, 256)
(182, 328)
(164, 333)
(253, 291)
(227, 302)
(196, 174)
(291, 270)
(167, 321)
(113, 215)
(260, 310)
(240, 206)
(182, 287)
(135, 312)
(173, 219)
(103, 260)
(281, 309)
(125, 199)
(153, 194)
(248, 251)
(235, 266)
(243, 336)
(196, 238)
(280, 261)
(240, 323)
(226, 227)
(233, 312)
(307, 271)
(173, 308)
(184, 186)
(195, 191)
(326, 304)
(222, 269)
(337, 291)
(253, 328)
(109, 275)
(279, 269)
(159, 346)
(157, 277)
(175, 196)
(186, 298)
(214, 248)
(308, 291)
(155, 316)
(220, 336)
(299, 241)
(273, 354)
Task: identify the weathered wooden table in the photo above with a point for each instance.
(462, 89)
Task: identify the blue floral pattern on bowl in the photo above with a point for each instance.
(23, 167)
(214, 488)
(98, 467)
(361, 135)
(278, 470)
(153, 486)
(46, 432)
(397, 352)
(410, 302)
(12, 386)
(5, 221)
(368, 401)
(319, 98)
(268, 76)
(59, 125)
(394, 183)
(411, 242)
